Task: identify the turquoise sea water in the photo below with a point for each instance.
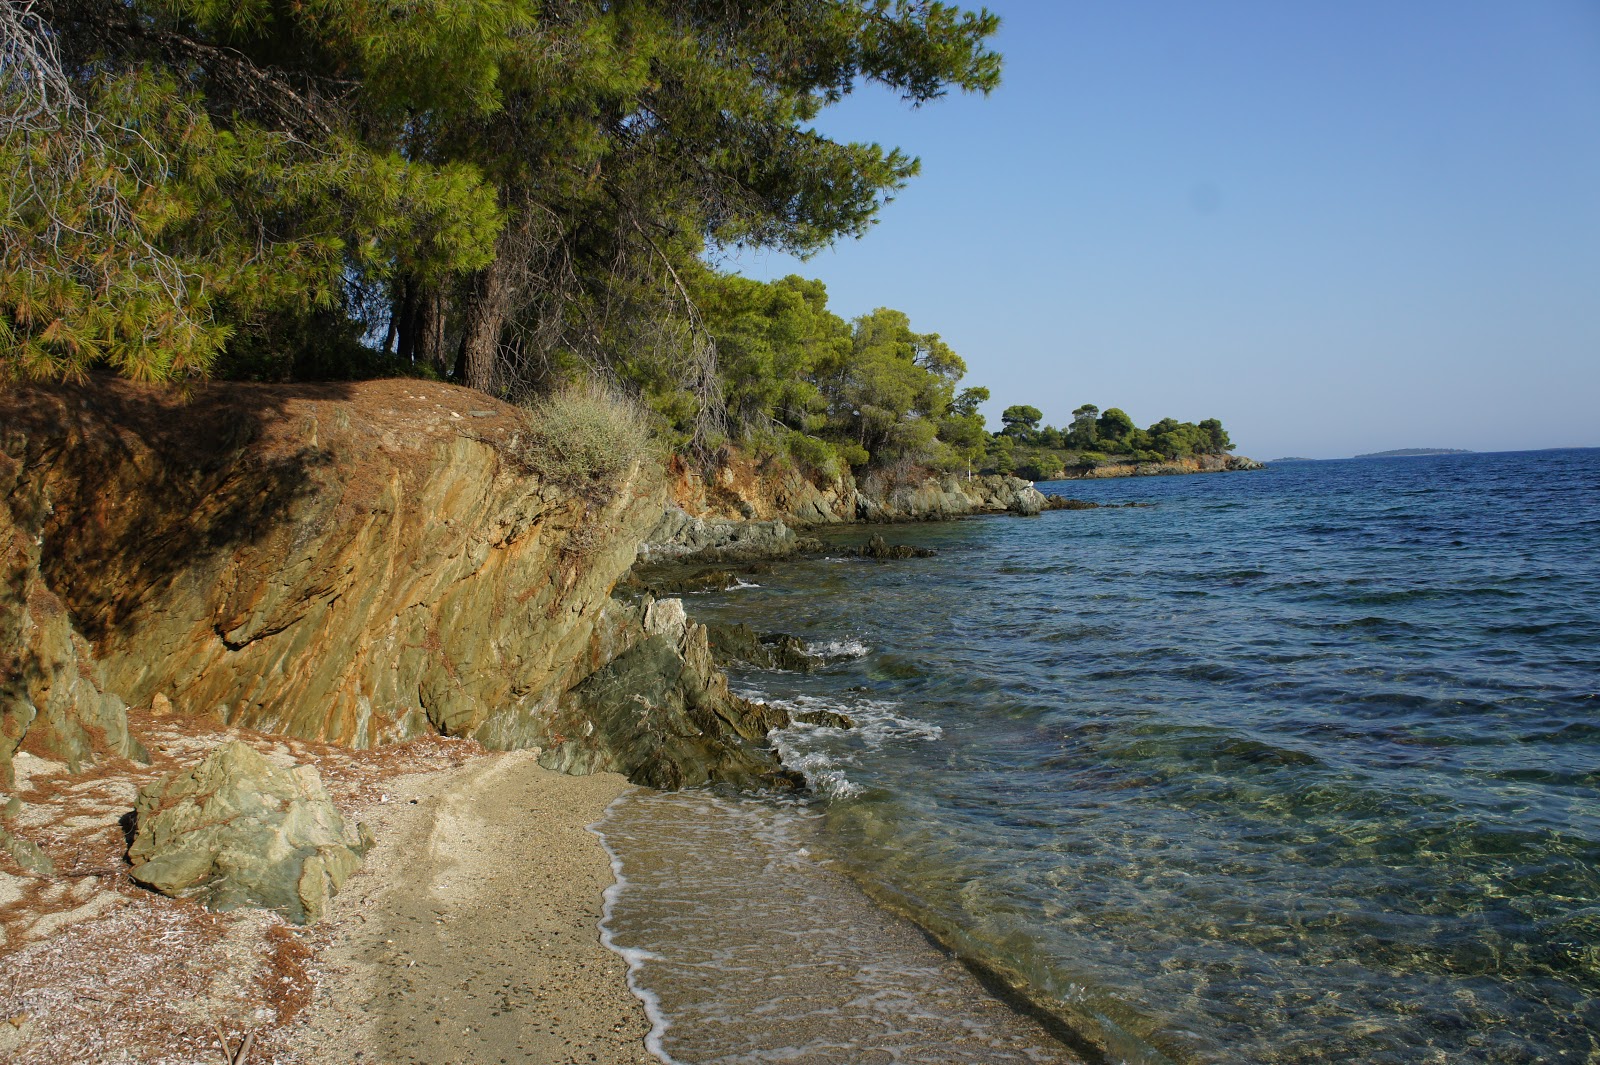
(1294, 766)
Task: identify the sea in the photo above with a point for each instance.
(1287, 766)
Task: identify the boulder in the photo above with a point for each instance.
(661, 714)
(235, 830)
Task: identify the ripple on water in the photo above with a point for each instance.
(1341, 807)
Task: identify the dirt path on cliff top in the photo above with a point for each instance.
(471, 936)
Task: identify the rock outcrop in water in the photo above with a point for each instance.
(235, 830)
(661, 713)
(735, 643)
(352, 563)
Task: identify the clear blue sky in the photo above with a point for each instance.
(1337, 226)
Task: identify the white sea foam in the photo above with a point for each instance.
(740, 585)
(633, 956)
(849, 647)
(822, 753)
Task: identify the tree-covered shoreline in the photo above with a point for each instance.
(513, 195)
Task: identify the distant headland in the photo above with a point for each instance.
(1414, 452)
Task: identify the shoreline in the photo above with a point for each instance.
(472, 934)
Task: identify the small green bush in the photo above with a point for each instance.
(813, 454)
(584, 438)
(852, 453)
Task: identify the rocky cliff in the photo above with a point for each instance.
(353, 563)
(744, 509)
(742, 489)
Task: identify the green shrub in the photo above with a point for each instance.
(584, 438)
(852, 453)
(813, 454)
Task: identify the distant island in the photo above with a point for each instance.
(1292, 458)
(1413, 452)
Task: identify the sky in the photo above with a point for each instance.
(1340, 227)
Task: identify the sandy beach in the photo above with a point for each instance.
(471, 935)
(468, 935)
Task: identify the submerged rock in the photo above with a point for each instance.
(880, 549)
(235, 830)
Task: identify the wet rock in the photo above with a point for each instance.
(740, 644)
(826, 719)
(880, 549)
(235, 830)
(660, 713)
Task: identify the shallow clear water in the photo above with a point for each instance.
(1294, 766)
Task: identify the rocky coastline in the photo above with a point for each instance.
(205, 598)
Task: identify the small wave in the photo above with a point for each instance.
(739, 585)
(822, 753)
(821, 772)
(849, 647)
(633, 957)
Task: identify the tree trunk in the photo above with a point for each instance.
(432, 314)
(488, 305)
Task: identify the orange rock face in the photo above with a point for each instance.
(356, 563)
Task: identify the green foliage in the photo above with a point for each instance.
(527, 183)
(583, 438)
(873, 391)
(1113, 426)
(1097, 438)
(1020, 420)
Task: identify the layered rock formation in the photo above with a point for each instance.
(353, 563)
(746, 509)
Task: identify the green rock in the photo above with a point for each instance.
(236, 831)
(27, 854)
(660, 712)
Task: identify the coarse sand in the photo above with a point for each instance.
(471, 936)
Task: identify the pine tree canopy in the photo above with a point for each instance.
(501, 189)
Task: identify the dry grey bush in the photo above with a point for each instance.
(584, 438)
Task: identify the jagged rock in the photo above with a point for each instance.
(341, 562)
(52, 691)
(682, 538)
(235, 830)
(739, 643)
(661, 714)
(826, 718)
(880, 549)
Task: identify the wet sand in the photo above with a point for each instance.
(470, 936)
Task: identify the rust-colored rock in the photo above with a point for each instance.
(356, 563)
